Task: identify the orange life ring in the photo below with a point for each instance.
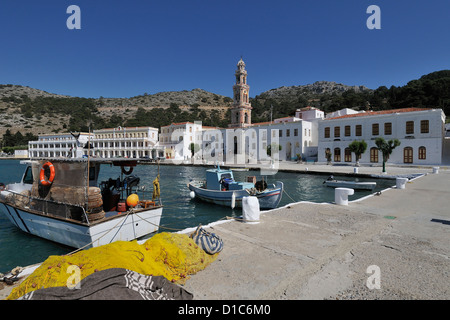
(42, 178)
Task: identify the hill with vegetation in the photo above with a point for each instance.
(28, 112)
(430, 91)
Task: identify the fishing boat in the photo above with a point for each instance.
(221, 188)
(357, 185)
(62, 200)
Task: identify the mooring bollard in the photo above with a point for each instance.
(401, 182)
(250, 209)
(355, 170)
(341, 195)
(435, 170)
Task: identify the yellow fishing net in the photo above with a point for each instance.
(174, 256)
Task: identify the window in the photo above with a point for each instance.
(374, 155)
(424, 126)
(295, 132)
(337, 155)
(347, 131)
(288, 132)
(408, 155)
(375, 129)
(28, 176)
(388, 128)
(409, 127)
(281, 133)
(422, 153)
(327, 132)
(347, 155)
(358, 130)
(337, 132)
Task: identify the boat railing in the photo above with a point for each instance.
(47, 206)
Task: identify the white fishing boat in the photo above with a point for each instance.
(357, 185)
(62, 201)
(221, 188)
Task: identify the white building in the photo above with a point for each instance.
(58, 145)
(176, 138)
(130, 142)
(420, 132)
(296, 135)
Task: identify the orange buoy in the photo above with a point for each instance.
(132, 200)
(42, 178)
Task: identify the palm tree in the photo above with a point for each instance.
(358, 148)
(386, 148)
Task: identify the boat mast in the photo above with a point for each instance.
(88, 157)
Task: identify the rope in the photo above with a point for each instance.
(79, 249)
(288, 195)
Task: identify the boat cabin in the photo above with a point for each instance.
(223, 180)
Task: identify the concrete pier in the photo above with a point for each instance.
(389, 246)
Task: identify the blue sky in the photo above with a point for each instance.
(128, 48)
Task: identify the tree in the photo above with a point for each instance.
(328, 155)
(358, 148)
(194, 148)
(386, 148)
(275, 147)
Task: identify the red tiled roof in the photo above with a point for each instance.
(262, 123)
(177, 124)
(373, 113)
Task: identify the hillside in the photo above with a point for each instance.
(429, 91)
(33, 111)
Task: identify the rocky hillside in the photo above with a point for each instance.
(324, 95)
(35, 111)
(12, 90)
(317, 88)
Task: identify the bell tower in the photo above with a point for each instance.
(242, 110)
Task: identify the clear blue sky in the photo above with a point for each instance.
(128, 48)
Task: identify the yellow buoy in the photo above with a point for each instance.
(132, 200)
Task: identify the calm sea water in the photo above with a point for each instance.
(180, 211)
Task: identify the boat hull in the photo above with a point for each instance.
(268, 199)
(75, 234)
(351, 184)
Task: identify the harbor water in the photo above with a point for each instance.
(180, 211)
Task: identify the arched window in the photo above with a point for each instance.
(422, 153)
(337, 155)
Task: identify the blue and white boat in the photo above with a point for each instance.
(221, 188)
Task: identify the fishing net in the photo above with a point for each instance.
(174, 256)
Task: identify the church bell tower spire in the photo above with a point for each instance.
(242, 109)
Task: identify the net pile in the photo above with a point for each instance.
(174, 256)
